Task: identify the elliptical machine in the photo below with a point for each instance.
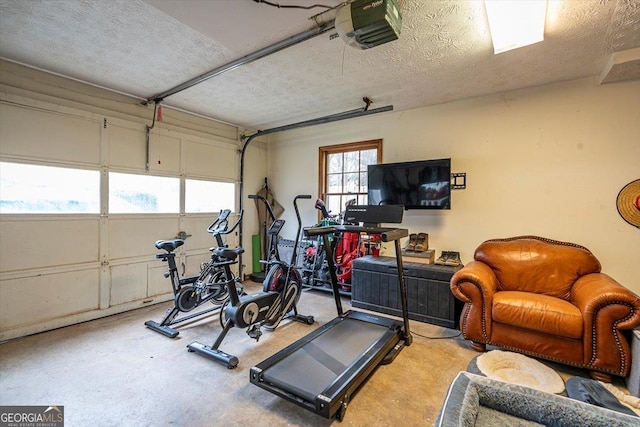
(280, 293)
(193, 291)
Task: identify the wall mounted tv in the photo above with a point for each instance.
(422, 184)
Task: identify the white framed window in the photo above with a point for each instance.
(134, 193)
(209, 196)
(343, 172)
(36, 189)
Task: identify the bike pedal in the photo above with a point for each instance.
(254, 333)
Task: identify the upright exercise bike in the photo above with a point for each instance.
(193, 291)
(278, 298)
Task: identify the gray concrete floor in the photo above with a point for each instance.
(116, 372)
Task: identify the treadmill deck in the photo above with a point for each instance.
(318, 370)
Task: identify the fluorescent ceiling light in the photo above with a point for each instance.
(515, 23)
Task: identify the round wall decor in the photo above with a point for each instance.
(628, 203)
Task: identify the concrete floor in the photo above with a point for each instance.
(115, 371)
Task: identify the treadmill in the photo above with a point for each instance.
(323, 370)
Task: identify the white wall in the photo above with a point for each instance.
(546, 161)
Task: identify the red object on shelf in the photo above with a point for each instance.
(349, 247)
(375, 243)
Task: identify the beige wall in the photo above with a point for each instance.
(545, 161)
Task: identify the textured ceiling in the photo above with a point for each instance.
(444, 53)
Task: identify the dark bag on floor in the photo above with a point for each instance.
(591, 391)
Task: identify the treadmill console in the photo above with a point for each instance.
(373, 215)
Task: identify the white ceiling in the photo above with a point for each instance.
(444, 53)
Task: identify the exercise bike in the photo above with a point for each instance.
(278, 298)
(191, 292)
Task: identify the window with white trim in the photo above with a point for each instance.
(343, 172)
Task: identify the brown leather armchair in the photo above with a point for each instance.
(547, 299)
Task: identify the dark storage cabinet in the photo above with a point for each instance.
(374, 286)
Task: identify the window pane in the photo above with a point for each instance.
(335, 163)
(334, 183)
(351, 161)
(34, 189)
(333, 204)
(363, 182)
(130, 193)
(351, 182)
(368, 157)
(362, 199)
(209, 196)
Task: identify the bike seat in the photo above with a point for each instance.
(228, 253)
(169, 245)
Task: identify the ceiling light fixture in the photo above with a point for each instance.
(515, 24)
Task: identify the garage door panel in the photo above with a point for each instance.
(210, 160)
(164, 154)
(128, 283)
(52, 136)
(30, 300)
(127, 147)
(135, 237)
(45, 243)
(157, 284)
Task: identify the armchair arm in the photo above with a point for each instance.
(475, 284)
(607, 307)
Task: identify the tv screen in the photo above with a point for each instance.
(423, 184)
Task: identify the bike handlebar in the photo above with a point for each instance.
(295, 206)
(222, 217)
(266, 203)
(219, 226)
(237, 223)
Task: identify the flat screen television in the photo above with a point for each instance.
(424, 184)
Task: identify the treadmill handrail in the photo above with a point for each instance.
(318, 231)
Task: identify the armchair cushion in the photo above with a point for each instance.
(538, 312)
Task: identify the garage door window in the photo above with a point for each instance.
(209, 196)
(133, 193)
(36, 189)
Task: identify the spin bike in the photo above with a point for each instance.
(191, 292)
(278, 298)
